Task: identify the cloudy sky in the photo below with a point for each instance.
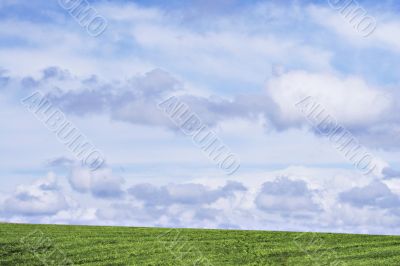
(250, 72)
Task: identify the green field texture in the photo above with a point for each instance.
(22, 244)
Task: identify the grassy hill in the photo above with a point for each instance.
(88, 245)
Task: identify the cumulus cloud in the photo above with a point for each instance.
(348, 99)
(286, 196)
(377, 195)
(135, 100)
(102, 183)
(187, 194)
(42, 197)
(279, 204)
(173, 205)
(364, 110)
(122, 100)
(129, 213)
(232, 56)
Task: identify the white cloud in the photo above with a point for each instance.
(317, 199)
(43, 197)
(350, 100)
(223, 54)
(386, 35)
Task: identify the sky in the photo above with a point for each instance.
(300, 96)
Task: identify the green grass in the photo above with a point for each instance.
(86, 245)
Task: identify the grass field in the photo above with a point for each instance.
(83, 245)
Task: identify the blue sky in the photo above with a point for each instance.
(241, 67)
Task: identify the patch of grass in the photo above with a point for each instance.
(22, 244)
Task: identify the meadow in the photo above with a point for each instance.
(22, 244)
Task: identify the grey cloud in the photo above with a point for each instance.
(82, 102)
(286, 196)
(4, 78)
(60, 162)
(376, 194)
(135, 101)
(108, 187)
(56, 73)
(29, 83)
(390, 173)
(187, 194)
(383, 135)
(102, 183)
(214, 109)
